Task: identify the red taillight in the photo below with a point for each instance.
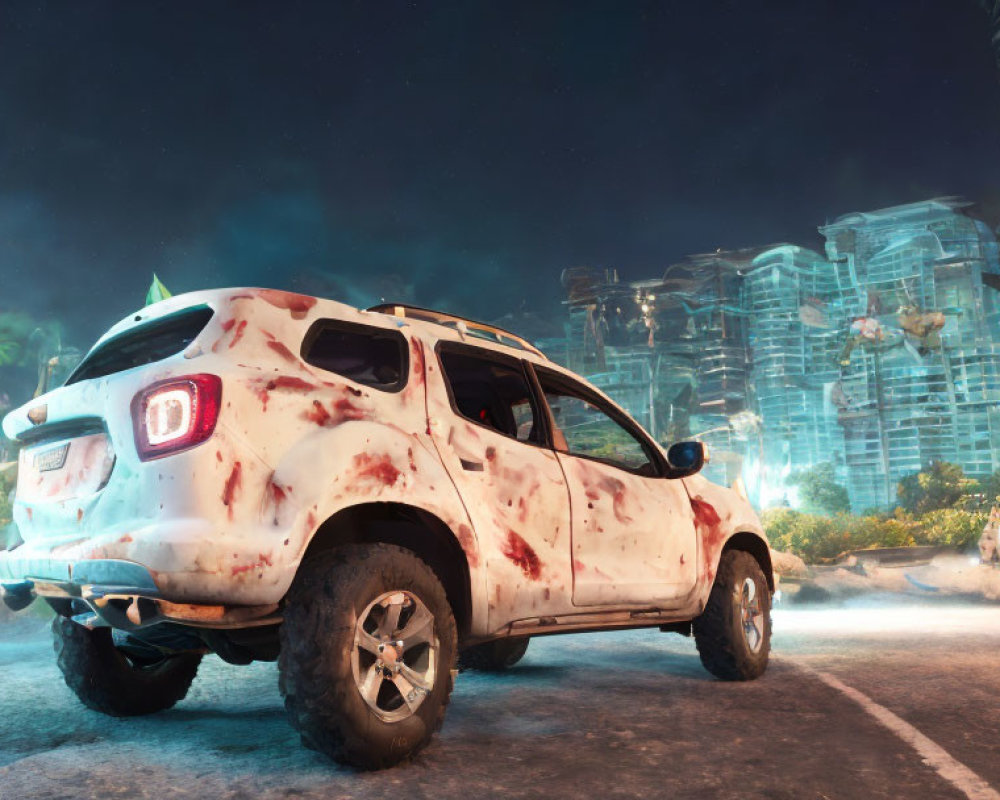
(175, 414)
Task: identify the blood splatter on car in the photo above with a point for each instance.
(369, 497)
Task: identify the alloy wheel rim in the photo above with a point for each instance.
(751, 615)
(394, 657)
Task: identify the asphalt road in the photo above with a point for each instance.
(879, 698)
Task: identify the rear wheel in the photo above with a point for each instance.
(733, 634)
(107, 680)
(367, 649)
(494, 656)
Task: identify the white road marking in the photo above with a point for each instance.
(955, 772)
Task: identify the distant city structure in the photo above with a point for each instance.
(880, 356)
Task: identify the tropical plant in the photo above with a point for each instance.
(819, 491)
(991, 487)
(157, 292)
(819, 537)
(8, 479)
(941, 485)
(16, 330)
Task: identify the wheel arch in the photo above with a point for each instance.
(753, 544)
(410, 527)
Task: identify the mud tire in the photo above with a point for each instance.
(494, 656)
(106, 681)
(718, 632)
(317, 639)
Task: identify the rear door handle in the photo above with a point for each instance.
(472, 466)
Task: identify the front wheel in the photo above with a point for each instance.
(733, 633)
(368, 646)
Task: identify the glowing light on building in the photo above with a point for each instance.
(880, 356)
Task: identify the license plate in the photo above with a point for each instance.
(51, 459)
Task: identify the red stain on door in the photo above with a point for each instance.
(523, 555)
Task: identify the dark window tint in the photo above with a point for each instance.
(372, 356)
(583, 426)
(492, 393)
(144, 344)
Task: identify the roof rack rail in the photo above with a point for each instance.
(479, 330)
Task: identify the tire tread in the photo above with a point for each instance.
(722, 651)
(104, 680)
(318, 686)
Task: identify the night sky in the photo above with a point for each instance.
(462, 154)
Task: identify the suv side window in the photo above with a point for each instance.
(371, 356)
(584, 426)
(492, 391)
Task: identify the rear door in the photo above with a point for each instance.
(633, 539)
(489, 428)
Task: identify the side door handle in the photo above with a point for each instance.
(471, 466)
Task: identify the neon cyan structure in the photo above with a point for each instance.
(881, 355)
(673, 351)
(926, 388)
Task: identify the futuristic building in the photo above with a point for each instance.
(880, 356)
(673, 351)
(917, 287)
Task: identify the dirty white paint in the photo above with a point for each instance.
(228, 521)
(634, 538)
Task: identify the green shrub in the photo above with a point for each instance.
(941, 485)
(950, 526)
(818, 538)
(8, 479)
(6, 487)
(819, 491)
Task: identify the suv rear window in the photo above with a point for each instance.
(370, 356)
(144, 344)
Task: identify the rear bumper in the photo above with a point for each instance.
(111, 572)
(117, 594)
(186, 560)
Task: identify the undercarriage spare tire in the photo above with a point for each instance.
(107, 680)
(368, 646)
(494, 656)
(733, 633)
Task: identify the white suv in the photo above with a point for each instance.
(369, 497)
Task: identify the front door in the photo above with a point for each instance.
(634, 539)
(488, 427)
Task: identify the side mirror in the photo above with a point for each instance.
(687, 458)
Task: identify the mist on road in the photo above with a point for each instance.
(629, 713)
